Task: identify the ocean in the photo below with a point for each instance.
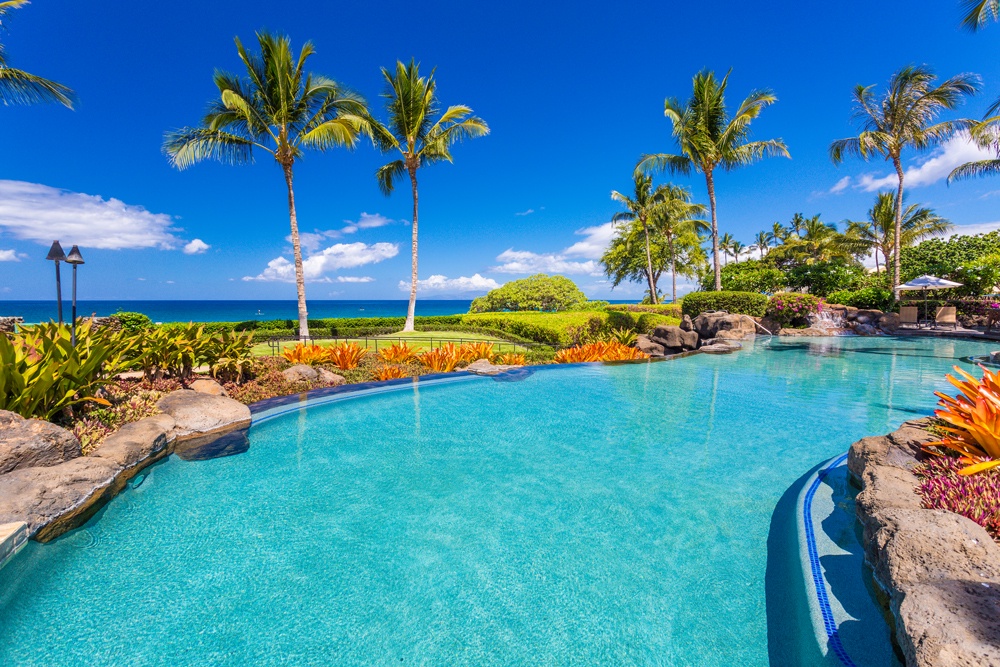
(230, 311)
(234, 311)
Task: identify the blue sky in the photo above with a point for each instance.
(573, 93)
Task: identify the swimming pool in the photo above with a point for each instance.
(594, 514)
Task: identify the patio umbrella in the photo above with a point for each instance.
(925, 283)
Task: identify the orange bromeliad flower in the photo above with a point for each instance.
(973, 421)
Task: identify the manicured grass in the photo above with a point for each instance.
(419, 340)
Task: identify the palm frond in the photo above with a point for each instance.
(18, 87)
(661, 162)
(975, 169)
(977, 13)
(190, 145)
(386, 175)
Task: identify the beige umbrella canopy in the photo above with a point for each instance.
(926, 283)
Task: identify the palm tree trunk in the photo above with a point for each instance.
(300, 278)
(649, 263)
(673, 271)
(710, 182)
(898, 227)
(412, 307)
(876, 261)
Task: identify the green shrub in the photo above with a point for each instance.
(540, 292)
(750, 275)
(822, 278)
(787, 307)
(133, 322)
(978, 276)
(743, 303)
(562, 329)
(646, 322)
(869, 298)
(671, 309)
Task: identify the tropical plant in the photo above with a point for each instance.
(346, 355)
(398, 353)
(737, 248)
(779, 233)
(43, 374)
(20, 87)
(305, 354)
(278, 108)
(979, 12)
(674, 219)
(412, 104)
(538, 292)
(977, 497)
(623, 336)
(971, 421)
(472, 351)
(749, 276)
(599, 351)
(762, 241)
(383, 373)
(787, 307)
(904, 118)
(868, 298)
(441, 359)
(877, 234)
(512, 359)
(229, 355)
(726, 246)
(942, 257)
(133, 322)
(980, 276)
(709, 139)
(824, 277)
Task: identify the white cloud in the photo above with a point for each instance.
(40, 213)
(528, 212)
(337, 256)
(840, 185)
(439, 283)
(952, 153)
(355, 279)
(312, 241)
(595, 242)
(971, 230)
(196, 247)
(8, 256)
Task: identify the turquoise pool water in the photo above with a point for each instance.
(590, 515)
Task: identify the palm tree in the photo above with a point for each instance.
(709, 139)
(674, 219)
(277, 108)
(726, 246)
(412, 103)
(762, 241)
(877, 233)
(737, 247)
(985, 134)
(20, 87)
(639, 208)
(797, 225)
(779, 233)
(904, 118)
(979, 12)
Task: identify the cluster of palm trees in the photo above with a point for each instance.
(279, 108)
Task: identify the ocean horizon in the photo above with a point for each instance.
(234, 310)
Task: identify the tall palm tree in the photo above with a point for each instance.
(412, 104)
(20, 87)
(797, 225)
(979, 12)
(709, 139)
(762, 241)
(779, 233)
(277, 108)
(726, 246)
(737, 247)
(985, 134)
(674, 219)
(877, 233)
(904, 118)
(638, 208)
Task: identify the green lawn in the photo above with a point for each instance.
(420, 340)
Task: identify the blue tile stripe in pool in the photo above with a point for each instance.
(819, 581)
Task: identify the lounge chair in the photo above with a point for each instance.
(908, 315)
(946, 315)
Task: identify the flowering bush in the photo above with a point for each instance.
(942, 486)
(786, 307)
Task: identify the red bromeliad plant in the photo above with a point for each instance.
(972, 421)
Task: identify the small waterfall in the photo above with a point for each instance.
(830, 320)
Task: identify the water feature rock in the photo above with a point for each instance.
(868, 316)
(9, 324)
(889, 323)
(708, 325)
(28, 443)
(213, 446)
(995, 357)
(197, 414)
(717, 346)
(686, 324)
(863, 329)
(51, 498)
(300, 373)
(330, 378)
(136, 442)
(646, 344)
(674, 338)
(206, 386)
(808, 331)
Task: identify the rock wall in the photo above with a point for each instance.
(49, 487)
(939, 570)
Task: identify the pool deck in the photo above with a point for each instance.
(976, 334)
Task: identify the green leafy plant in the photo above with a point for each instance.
(743, 303)
(623, 336)
(133, 322)
(869, 298)
(539, 292)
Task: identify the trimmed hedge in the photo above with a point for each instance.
(868, 298)
(671, 309)
(742, 303)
